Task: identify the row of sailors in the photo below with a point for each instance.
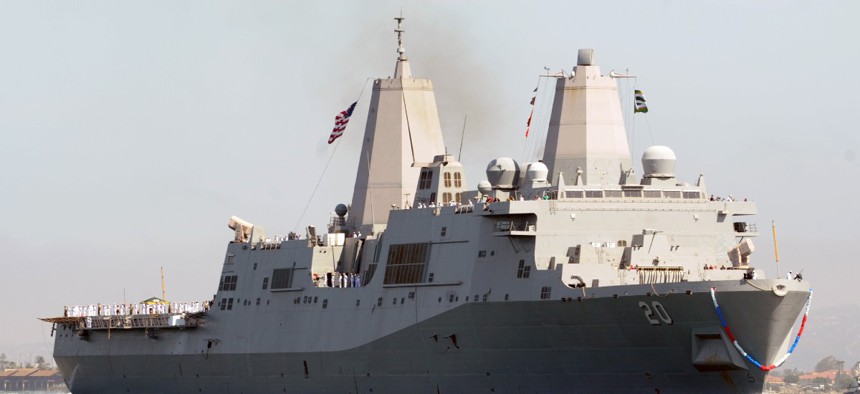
(134, 309)
(433, 204)
(337, 279)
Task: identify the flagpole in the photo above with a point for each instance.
(322, 175)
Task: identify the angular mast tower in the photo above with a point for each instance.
(402, 129)
(586, 130)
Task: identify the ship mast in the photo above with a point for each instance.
(402, 133)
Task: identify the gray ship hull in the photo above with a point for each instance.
(595, 344)
(567, 274)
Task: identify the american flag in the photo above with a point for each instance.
(340, 122)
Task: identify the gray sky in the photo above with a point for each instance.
(131, 131)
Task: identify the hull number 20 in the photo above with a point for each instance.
(655, 313)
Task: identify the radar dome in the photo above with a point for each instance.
(503, 173)
(485, 187)
(340, 210)
(537, 172)
(658, 162)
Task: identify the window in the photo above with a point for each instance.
(325, 303)
(523, 270)
(545, 292)
(447, 177)
(379, 301)
(228, 283)
(282, 278)
(444, 230)
(425, 180)
(691, 195)
(613, 193)
(672, 194)
(265, 283)
(458, 180)
(258, 301)
(406, 263)
(633, 193)
(230, 258)
(594, 193)
(652, 193)
(574, 194)
(446, 198)
(482, 253)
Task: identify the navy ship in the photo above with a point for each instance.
(580, 272)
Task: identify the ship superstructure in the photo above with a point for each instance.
(568, 274)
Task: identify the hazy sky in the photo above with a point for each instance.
(131, 131)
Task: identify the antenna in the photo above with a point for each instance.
(163, 292)
(775, 247)
(399, 30)
(462, 135)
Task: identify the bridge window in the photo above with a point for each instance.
(594, 193)
(691, 195)
(652, 193)
(613, 193)
(633, 193)
(672, 194)
(574, 194)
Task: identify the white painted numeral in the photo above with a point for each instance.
(662, 314)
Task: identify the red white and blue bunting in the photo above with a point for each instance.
(743, 352)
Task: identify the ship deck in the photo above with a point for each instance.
(129, 322)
